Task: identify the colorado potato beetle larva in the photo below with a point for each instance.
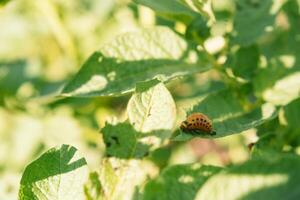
(197, 122)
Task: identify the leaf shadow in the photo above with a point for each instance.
(280, 167)
(179, 182)
(106, 76)
(123, 141)
(52, 163)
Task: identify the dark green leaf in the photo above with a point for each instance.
(244, 62)
(276, 177)
(228, 116)
(12, 75)
(2, 2)
(292, 114)
(251, 20)
(179, 182)
(121, 141)
(170, 9)
(198, 30)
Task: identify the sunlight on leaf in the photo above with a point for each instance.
(255, 14)
(60, 173)
(92, 188)
(228, 116)
(284, 90)
(132, 58)
(178, 182)
(152, 109)
(256, 179)
(122, 178)
(96, 83)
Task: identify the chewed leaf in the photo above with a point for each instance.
(122, 141)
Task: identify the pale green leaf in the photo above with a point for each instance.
(93, 189)
(152, 113)
(279, 81)
(131, 58)
(121, 179)
(275, 178)
(59, 174)
(151, 108)
(178, 182)
(284, 90)
(227, 115)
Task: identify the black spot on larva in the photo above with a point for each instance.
(201, 119)
(197, 118)
(204, 120)
(189, 124)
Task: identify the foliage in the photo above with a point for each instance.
(121, 105)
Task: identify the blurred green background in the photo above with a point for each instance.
(42, 45)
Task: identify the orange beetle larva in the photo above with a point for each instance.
(197, 122)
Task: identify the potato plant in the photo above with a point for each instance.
(237, 62)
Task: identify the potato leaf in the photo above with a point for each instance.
(131, 58)
(59, 173)
(228, 116)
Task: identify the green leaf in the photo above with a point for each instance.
(121, 179)
(178, 182)
(292, 114)
(161, 156)
(244, 62)
(279, 89)
(202, 6)
(92, 188)
(251, 20)
(170, 9)
(228, 116)
(121, 141)
(279, 81)
(59, 173)
(198, 30)
(2, 2)
(151, 108)
(152, 113)
(12, 76)
(131, 58)
(273, 177)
